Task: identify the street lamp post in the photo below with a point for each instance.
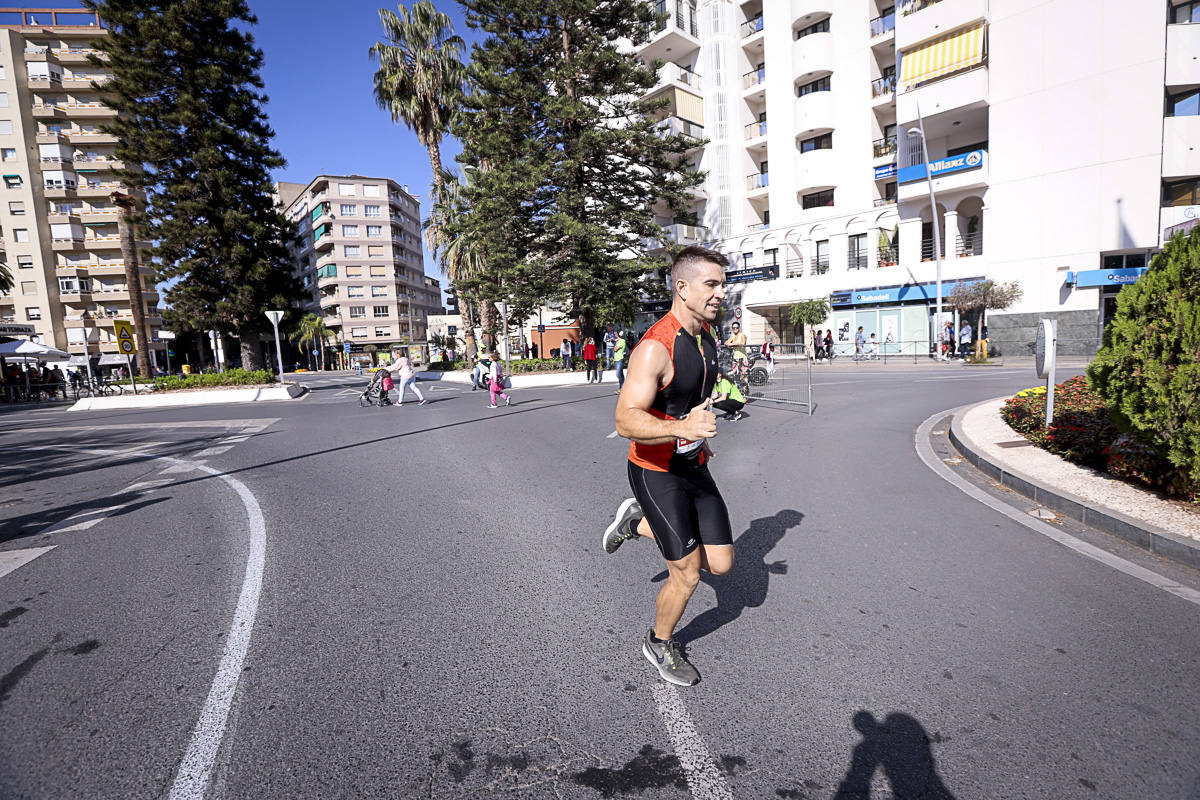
(275, 316)
(937, 231)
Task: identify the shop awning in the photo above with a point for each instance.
(958, 50)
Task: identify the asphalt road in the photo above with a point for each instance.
(431, 615)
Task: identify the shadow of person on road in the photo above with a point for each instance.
(900, 746)
(746, 584)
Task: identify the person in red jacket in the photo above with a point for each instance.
(589, 359)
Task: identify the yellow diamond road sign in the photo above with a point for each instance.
(125, 342)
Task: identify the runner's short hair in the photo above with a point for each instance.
(691, 258)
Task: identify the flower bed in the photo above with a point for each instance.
(206, 380)
(1083, 432)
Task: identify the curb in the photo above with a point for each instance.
(1144, 535)
(291, 391)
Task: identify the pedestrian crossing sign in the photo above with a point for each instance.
(125, 342)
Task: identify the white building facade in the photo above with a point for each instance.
(1063, 139)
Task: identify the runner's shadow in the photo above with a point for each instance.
(746, 584)
(900, 746)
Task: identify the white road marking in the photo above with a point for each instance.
(12, 559)
(235, 438)
(703, 777)
(925, 451)
(243, 426)
(195, 770)
(349, 393)
(212, 451)
(612, 435)
(83, 520)
(144, 486)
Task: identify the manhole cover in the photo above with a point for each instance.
(1042, 513)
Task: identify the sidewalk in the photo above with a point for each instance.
(1170, 529)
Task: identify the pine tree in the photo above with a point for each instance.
(188, 93)
(571, 161)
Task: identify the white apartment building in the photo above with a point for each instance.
(1064, 138)
(58, 225)
(360, 259)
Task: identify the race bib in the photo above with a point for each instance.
(686, 445)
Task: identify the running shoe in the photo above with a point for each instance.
(623, 527)
(737, 416)
(668, 657)
(507, 402)
(423, 402)
(492, 405)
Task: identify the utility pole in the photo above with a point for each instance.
(133, 279)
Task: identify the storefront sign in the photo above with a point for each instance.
(10, 329)
(753, 274)
(885, 172)
(1105, 277)
(656, 306)
(943, 166)
(913, 293)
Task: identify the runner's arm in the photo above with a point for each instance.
(648, 366)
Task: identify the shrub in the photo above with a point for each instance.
(230, 377)
(1081, 428)
(1148, 369)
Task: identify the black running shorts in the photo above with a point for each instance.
(684, 508)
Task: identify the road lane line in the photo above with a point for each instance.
(196, 768)
(13, 559)
(925, 451)
(703, 778)
(83, 520)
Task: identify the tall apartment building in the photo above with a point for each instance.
(1052, 158)
(360, 257)
(58, 223)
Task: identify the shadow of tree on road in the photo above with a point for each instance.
(746, 584)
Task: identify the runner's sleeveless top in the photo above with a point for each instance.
(694, 359)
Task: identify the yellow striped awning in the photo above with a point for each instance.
(951, 53)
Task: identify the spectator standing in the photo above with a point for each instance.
(829, 344)
(768, 349)
(981, 344)
(948, 340)
(965, 337)
(818, 345)
(610, 346)
(589, 360)
(859, 342)
(873, 348)
(496, 384)
(619, 359)
(533, 347)
(566, 355)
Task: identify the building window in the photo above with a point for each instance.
(381, 311)
(21, 234)
(350, 250)
(354, 291)
(379, 272)
(24, 262)
(28, 287)
(375, 251)
(8, 154)
(383, 332)
(371, 211)
(966, 148)
(1181, 193)
(371, 190)
(12, 181)
(822, 142)
(1184, 104)
(821, 266)
(747, 260)
(354, 272)
(16, 207)
(820, 27)
(357, 312)
(347, 210)
(819, 85)
(374, 231)
(889, 192)
(857, 258)
(350, 231)
(346, 189)
(378, 291)
(6, 126)
(1186, 12)
(33, 314)
(818, 199)
(358, 333)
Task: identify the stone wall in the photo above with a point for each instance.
(1015, 334)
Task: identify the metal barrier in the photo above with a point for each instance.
(784, 378)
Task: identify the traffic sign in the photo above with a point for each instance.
(125, 343)
(170, 352)
(541, 328)
(347, 347)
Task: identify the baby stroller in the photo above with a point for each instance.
(376, 393)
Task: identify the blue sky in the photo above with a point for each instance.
(318, 81)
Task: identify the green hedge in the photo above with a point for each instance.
(230, 377)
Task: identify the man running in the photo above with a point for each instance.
(664, 408)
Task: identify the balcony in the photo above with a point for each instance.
(72, 243)
(814, 112)
(677, 37)
(39, 53)
(85, 163)
(755, 131)
(323, 242)
(671, 73)
(1183, 43)
(887, 256)
(680, 234)
(820, 264)
(968, 244)
(109, 242)
(811, 55)
(756, 227)
(88, 110)
(99, 188)
(754, 82)
(44, 82)
(856, 259)
(928, 19)
(751, 27)
(677, 126)
(48, 111)
(959, 91)
(882, 27)
(75, 55)
(816, 171)
(756, 184)
(92, 136)
(110, 267)
(94, 216)
(883, 89)
(1181, 146)
(51, 137)
(883, 148)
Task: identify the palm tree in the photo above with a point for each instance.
(420, 75)
(6, 278)
(310, 331)
(461, 258)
